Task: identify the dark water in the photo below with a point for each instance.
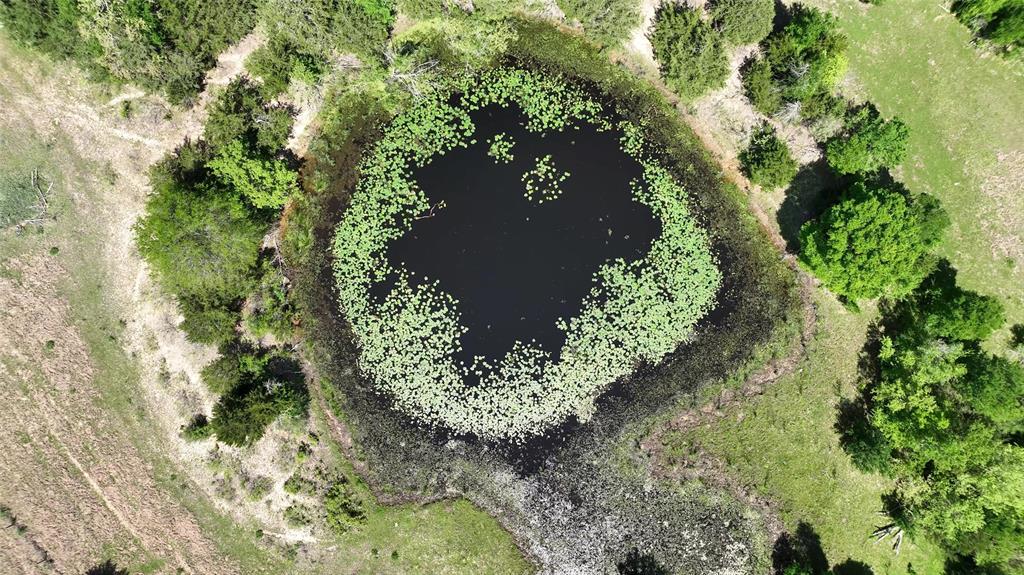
(516, 266)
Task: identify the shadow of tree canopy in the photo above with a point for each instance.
(802, 548)
(106, 568)
(851, 567)
(807, 197)
(636, 563)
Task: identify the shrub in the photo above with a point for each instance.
(223, 374)
(303, 33)
(760, 87)
(998, 21)
(607, 21)
(343, 508)
(743, 21)
(689, 52)
(197, 429)
(207, 322)
(874, 242)
(201, 240)
(50, 26)
(766, 160)
(273, 313)
(868, 142)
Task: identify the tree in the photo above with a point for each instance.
(688, 50)
(766, 160)
(241, 112)
(743, 21)
(201, 240)
(874, 242)
(942, 309)
(804, 61)
(868, 142)
(948, 416)
(241, 417)
(267, 184)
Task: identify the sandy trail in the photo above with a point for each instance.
(97, 477)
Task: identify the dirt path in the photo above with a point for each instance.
(101, 490)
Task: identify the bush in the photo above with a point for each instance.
(302, 34)
(223, 374)
(201, 240)
(273, 313)
(197, 429)
(766, 160)
(689, 52)
(874, 242)
(50, 26)
(743, 21)
(998, 21)
(343, 508)
(607, 21)
(760, 87)
(868, 142)
(207, 322)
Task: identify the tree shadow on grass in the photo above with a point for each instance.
(803, 548)
(808, 196)
(851, 567)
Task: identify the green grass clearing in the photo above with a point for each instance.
(783, 445)
(914, 60)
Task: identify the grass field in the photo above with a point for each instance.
(783, 445)
(78, 427)
(965, 110)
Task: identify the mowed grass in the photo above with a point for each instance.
(783, 445)
(965, 110)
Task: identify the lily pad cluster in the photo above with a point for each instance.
(637, 311)
(501, 148)
(543, 181)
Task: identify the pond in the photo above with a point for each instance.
(515, 265)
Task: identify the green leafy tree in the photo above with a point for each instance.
(766, 160)
(743, 21)
(267, 184)
(200, 240)
(241, 112)
(949, 415)
(607, 21)
(868, 142)
(689, 52)
(943, 309)
(803, 60)
(874, 242)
